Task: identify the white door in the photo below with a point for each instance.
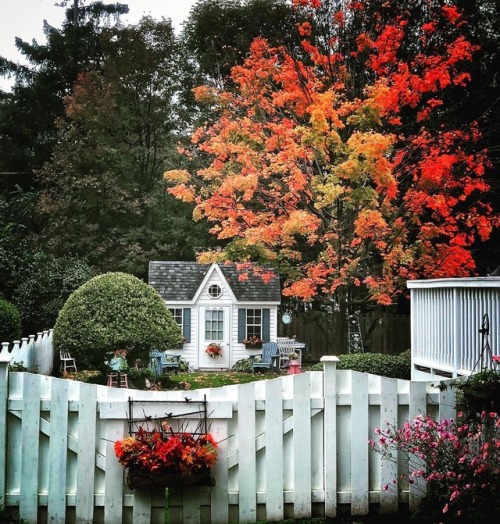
(214, 328)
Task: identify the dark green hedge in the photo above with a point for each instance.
(393, 366)
(10, 322)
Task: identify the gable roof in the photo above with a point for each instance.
(179, 281)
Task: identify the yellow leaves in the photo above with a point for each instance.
(205, 95)
(323, 111)
(177, 176)
(371, 145)
(301, 222)
(326, 192)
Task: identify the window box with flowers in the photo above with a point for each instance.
(253, 343)
(180, 345)
(164, 459)
(214, 350)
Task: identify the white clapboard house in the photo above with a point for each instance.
(217, 303)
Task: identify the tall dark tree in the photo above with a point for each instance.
(28, 113)
(218, 33)
(103, 195)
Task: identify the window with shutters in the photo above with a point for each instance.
(254, 323)
(177, 315)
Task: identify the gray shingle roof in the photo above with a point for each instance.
(181, 280)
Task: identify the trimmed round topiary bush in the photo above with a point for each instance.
(114, 311)
(10, 322)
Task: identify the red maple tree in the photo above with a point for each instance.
(350, 186)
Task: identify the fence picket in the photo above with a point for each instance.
(302, 446)
(330, 438)
(219, 494)
(247, 484)
(359, 443)
(58, 451)
(417, 406)
(274, 451)
(113, 495)
(86, 453)
(30, 429)
(388, 468)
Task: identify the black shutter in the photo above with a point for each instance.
(242, 324)
(186, 324)
(266, 325)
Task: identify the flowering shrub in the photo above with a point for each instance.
(160, 452)
(460, 462)
(214, 350)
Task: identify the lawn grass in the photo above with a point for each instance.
(181, 381)
(215, 379)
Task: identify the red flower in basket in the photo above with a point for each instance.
(214, 350)
(166, 459)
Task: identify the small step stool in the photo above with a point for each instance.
(117, 379)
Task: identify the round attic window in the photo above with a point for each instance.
(215, 291)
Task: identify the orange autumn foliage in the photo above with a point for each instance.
(350, 190)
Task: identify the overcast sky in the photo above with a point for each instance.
(24, 18)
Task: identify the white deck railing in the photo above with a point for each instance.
(446, 318)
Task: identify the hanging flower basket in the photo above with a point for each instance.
(138, 478)
(160, 459)
(214, 350)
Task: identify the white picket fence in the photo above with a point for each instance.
(290, 447)
(35, 353)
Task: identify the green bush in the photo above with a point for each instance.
(114, 311)
(393, 366)
(477, 393)
(10, 322)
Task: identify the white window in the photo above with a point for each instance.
(214, 324)
(177, 315)
(254, 323)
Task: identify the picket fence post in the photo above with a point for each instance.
(330, 433)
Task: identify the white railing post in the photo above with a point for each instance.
(330, 433)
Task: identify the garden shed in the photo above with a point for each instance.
(222, 303)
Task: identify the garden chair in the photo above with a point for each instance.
(155, 357)
(268, 358)
(67, 361)
(170, 362)
(285, 347)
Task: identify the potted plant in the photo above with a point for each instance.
(162, 458)
(253, 342)
(293, 357)
(214, 350)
